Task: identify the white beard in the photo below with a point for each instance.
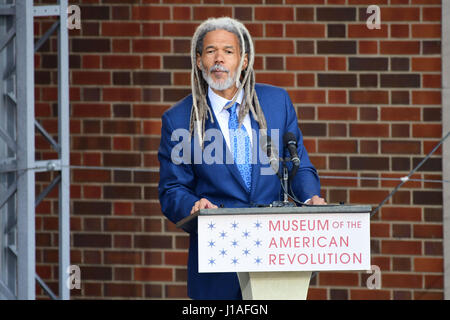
(219, 85)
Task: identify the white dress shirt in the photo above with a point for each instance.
(222, 115)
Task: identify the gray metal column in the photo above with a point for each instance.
(8, 183)
(64, 150)
(26, 248)
(446, 147)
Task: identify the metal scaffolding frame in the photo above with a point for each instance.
(17, 149)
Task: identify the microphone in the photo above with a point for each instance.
(273, 159)
(266, 142)
(290, 142)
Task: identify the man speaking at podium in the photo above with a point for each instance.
(225, 99)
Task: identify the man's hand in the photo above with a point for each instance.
(316, 200)
(203, 203)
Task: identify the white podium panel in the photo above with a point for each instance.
(274, 285)
(284, 242)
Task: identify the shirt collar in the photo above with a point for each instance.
(218, 102)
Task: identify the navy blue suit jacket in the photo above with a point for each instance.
(181, 185)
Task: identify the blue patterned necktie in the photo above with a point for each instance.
(240, 146)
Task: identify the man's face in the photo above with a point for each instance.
(220, 59)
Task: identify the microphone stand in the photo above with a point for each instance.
(284, 180)
(284, 177)
(285, 183)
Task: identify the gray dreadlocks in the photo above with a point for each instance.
(200, 110)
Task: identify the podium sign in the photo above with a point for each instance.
(256, 240)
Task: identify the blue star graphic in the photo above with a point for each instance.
(234, 261)
(258, 260)
(234, 225)
(258, 224)
(246, 252)
(211, 244)
(234, 243)
(211, 225)
(258, 243)
(223, 252)
(212, 261)
(223, 234)
(245, 234)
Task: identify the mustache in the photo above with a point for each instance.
(219, 67)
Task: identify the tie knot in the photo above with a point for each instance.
(232, 109)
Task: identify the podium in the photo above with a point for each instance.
(274, 250)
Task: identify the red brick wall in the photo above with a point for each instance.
(368, 101)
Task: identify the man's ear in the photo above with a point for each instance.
(245, 65)
(199, 61)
